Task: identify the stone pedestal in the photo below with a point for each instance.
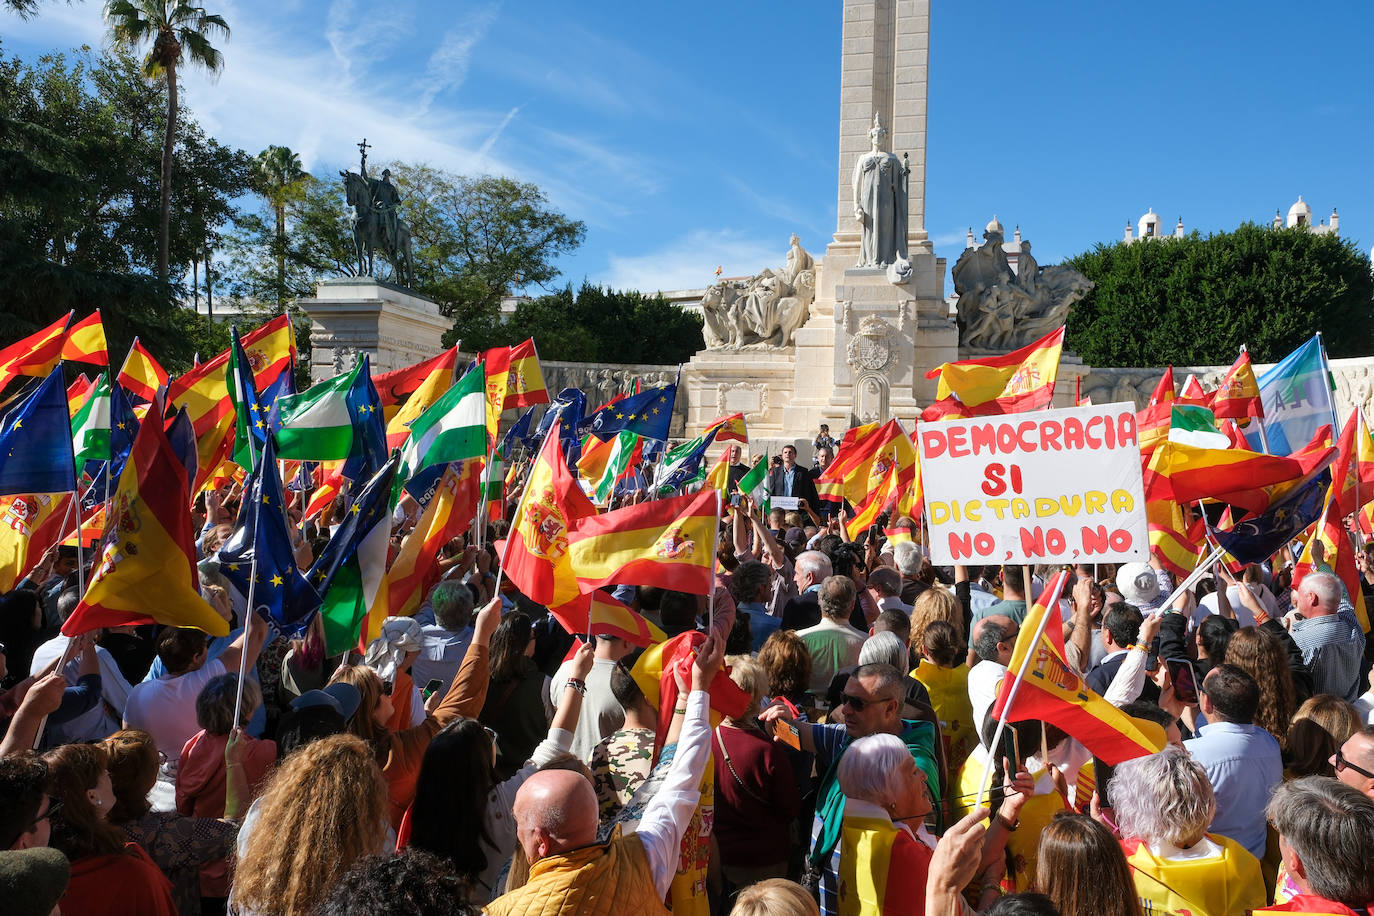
(755, 383)
(353, 315)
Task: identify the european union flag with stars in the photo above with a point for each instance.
(648, 413)
(36, 453)
(281, 592)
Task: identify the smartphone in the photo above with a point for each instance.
(433, 685)
(1011, 748)
(734, 499)
(1102, 775)
(787, 733)
(1183, 676)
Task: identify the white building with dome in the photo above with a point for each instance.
(1300, 214)
(1010, 247)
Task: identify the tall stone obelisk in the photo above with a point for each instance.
(864, 352)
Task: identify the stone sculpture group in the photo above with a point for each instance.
(1001, 309)
(764, 310)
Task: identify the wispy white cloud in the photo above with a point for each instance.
(448, 65)
(952, 237)
(792, 217)
(690, 261)
(495, 135)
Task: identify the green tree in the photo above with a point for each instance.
(176, 30)
(479, 239)
(1195, 300)
(280, 179)
(599, 325)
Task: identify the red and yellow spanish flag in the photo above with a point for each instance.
(1021, 380)
(147, 567)
(514, 379)
(1053, 692)
(601, 614)
(141, 375)
(85, 341)
(718, 478)
(77, 393)
(729, 429)
(36, 354)
(328, 485)
(897, 536)
(876, 871)
(1185, 473)
(394, 387)
(1177, 545)
(596, 455)
(1339, 555)
(536, 558)
(1229, 883)
(1152, 423)
(420, 398)
(1238, 395)
(416, 568)
(862, 462)
(865, 515)
(670, 543)
(1352, 476)
(29, 525)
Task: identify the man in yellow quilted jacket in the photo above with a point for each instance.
(556, 819)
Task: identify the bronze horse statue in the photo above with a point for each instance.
(371, 232)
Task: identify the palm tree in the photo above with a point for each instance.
(280, 180)
(177, 30)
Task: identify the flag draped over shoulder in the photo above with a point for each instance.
(1017, 381)
(536, 557)
(36, 441)
(36, 354)
(1053, 692)
(670, 543)
(350, 573)
(85, 341)
(146, 569)
(261, 543)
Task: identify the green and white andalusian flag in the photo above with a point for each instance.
(1190, 424)
(91, 425)
(622, 452)
(454, 428)
(317, 424)
(755, 485)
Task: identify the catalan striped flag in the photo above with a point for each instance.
(1053, 692)
(147, 566)
(1017, 381)
(85, 341)
(34, 355)
(599, 614)
(670, 543)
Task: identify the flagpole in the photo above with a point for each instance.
(76, 498)
(996, 742)
(1362, 431)
(1329, 381)
(1264, 434)
(252, 591)
(711, 594)
(1198, 572)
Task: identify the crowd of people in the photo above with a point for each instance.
(816, 741)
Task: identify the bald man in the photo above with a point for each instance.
(556, 819)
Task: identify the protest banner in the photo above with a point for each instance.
(1054, 486)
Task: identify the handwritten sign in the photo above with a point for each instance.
(1053, 486)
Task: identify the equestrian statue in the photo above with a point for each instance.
(376, 224)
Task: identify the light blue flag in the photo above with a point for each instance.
(1296, 394)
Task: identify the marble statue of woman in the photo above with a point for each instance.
(880, 202)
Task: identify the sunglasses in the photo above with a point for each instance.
(859, 704)
(491, 733)
(1343, 764)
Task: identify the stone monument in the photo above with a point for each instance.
(362, 314)
(1001, 310)
(878, 318)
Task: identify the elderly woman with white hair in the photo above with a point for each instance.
(1164, 805)
(883, 857)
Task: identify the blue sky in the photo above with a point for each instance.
(691, 136)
